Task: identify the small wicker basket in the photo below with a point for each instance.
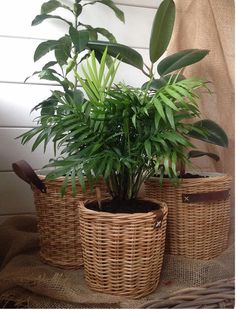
(122, 252)
(58, 218)
(199, 214)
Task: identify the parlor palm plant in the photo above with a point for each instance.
(122, 133)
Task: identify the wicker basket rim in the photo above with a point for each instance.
(211, 176)
(162, 204)
(58, 181)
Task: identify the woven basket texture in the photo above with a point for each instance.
(58, 222)
(123, 253)
(194, 230)
(216, 295)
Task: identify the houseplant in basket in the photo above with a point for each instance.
(123, 134)
(58, 221)
(194, 226)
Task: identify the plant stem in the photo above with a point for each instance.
(76, 55)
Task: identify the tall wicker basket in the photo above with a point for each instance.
(199, 214)
(58, 218)
(122, 252)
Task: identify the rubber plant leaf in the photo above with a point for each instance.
(40, 18)
(215, 134)
(161, 29)
(122, 52)
(163, 80)
(112, 6)
(180, 60)
(51, 5)
(195, 154)
(62, 50)
(44, 48)
(79, 38)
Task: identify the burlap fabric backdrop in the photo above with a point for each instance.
(30, 283)
(209, 24)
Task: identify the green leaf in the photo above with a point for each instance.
(148, 148)
(168, 102)
(170, 117)
(215, 134)
(40, 18)
(134, 120)
(195, 153)
(44, 48)
(50, 6)
(122, 52)
(163, 80)
(48, 75)
(64, 184)
(106, 34)
(49, 64)
(112, 5)
(78, 9)
(162, 29)
(79, 38)
(78, 96)
(158, 106)
(181, 59)
(62, 50)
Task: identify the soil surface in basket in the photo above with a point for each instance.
(124, 206)
(189, 176)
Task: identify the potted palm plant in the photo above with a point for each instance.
(194, 224)
(125, 135)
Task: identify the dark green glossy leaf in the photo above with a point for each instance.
(48, 107)
(162, 29)
(79, 38)
(122, 52)
(50, 6)
(44, 48)
(40, 18)
(62, 50)
(106, 34)
(215, 134)
(49, 64)
(112, 6)
(195, 153)
(49, 75)
(78, 96)
(78, 9)
(180, 60)
(162, 81)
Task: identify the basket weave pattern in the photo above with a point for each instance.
(194, 230)
(216, 295)
(123, 253)
(58, 223)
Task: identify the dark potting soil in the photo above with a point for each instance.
(124, 206)
(189, 176)
(192, 176)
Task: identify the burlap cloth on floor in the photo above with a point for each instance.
(25, 280)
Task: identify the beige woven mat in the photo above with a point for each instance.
(28, 282)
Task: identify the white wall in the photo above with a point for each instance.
(18, 41)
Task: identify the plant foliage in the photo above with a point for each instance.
(122, 133)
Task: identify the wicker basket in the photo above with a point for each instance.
(122, 252)
(58, 218)
(58, 223)
(216, 295)
(199, 214)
